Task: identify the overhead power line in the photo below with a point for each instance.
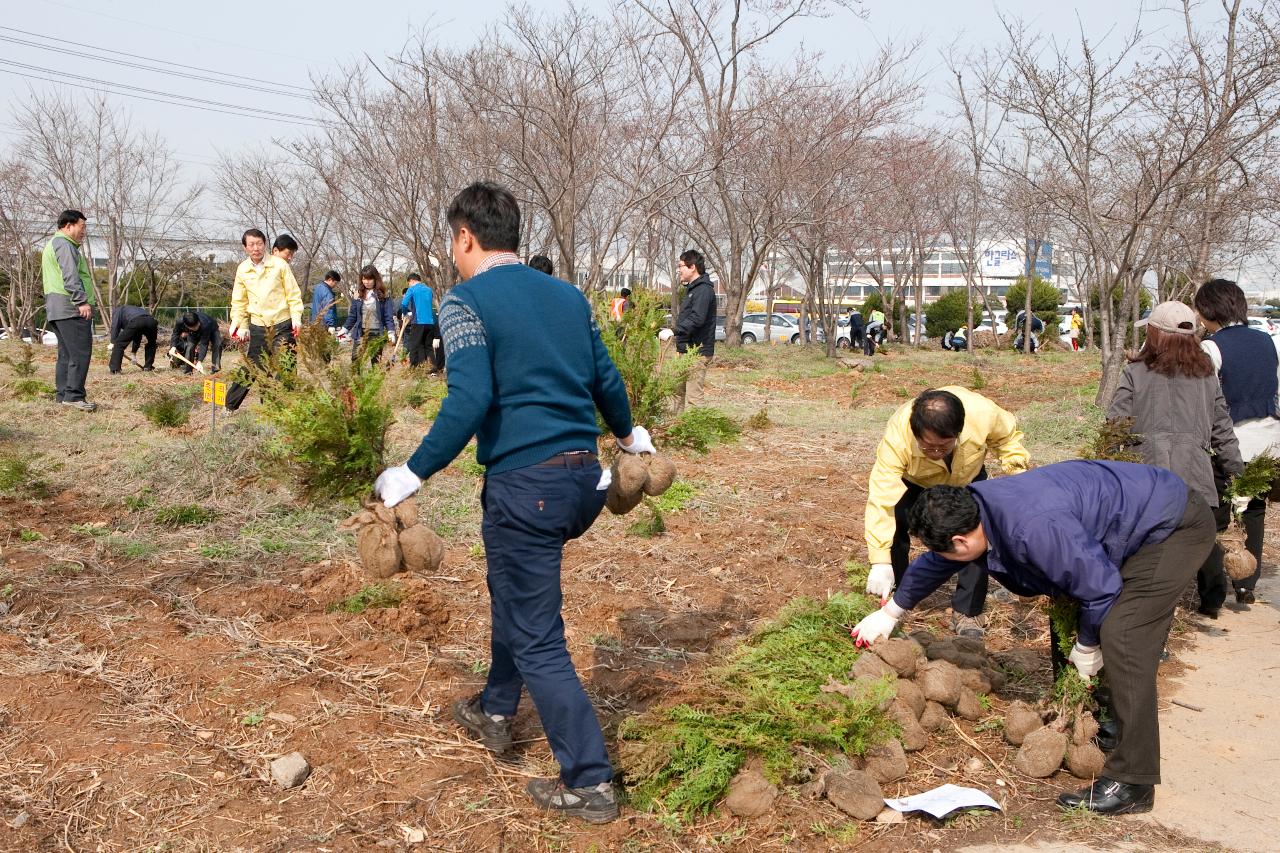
(163, 97)
(136, 61)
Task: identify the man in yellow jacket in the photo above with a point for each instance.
(266, 306)
(940, 438)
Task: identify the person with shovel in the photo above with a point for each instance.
(528, 392)
(130, 325)
(1121, 539)
(195, 335)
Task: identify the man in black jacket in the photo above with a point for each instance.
(196, 334)
(696, 325)
(129, 325)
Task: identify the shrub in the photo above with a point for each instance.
(1045, 299)
(701, 427)
(949, 313)
(26, 386)
(23, 363)
(17, 476)
(168, 409)
(652, 372)
(332, 418)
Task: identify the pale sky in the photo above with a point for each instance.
(287, 41)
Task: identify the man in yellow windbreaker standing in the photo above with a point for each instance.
(266, 307)
(69, 301)
(940, 438)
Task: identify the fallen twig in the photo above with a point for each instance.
(1186, 705)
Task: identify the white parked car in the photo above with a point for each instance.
(782, 328)
(1266, 324)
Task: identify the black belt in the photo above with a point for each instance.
(569, 459)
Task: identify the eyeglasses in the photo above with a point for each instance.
(945, 446)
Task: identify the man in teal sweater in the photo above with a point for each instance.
(527, 370)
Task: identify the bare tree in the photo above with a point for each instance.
(735, 219)
(128, 182)
(20, 238)
(1118, 138)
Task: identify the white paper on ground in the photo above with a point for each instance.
(943, 800)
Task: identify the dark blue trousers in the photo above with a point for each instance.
(529, 514)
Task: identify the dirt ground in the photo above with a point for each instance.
(152, 670)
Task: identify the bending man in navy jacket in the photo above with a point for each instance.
(527, 371)
(1123, 540)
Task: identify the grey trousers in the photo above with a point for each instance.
(75, 348)
(1135, 631)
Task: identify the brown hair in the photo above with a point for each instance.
(371, 272)
(1173, 354)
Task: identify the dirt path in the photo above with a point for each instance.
(1220, 765)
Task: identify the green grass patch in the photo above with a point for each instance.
(30, 536)
(654, 525)
(701, 428)
(374, 595)
(764, 700)
(218, 551)
(184, 515)
(131, 548)
(90, 529)
(466, 462)
(139, 502)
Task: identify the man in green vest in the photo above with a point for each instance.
(68, 303)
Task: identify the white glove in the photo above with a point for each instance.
(1088, 660)
(240, 334)
(606, 480)
(395, 484)
(640, 442)
(880, 581)
(878, 625)
(666, 335)
(1240, 504)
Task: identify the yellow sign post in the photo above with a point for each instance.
(215, 394)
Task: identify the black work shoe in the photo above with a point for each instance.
(1244, 596)
(596, 804)
(494, 733)
(1108, 735)
(1107, 796)
(1211, 612)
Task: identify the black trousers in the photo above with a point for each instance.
(133, 333)
(1212, 582)
(1255, 519)
(529, 514)
(281, 336)
(1134, 632)
(418, 341)
(970, 597)
(195, 351)
(75, 349)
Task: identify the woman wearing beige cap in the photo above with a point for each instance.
(1179, 413)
